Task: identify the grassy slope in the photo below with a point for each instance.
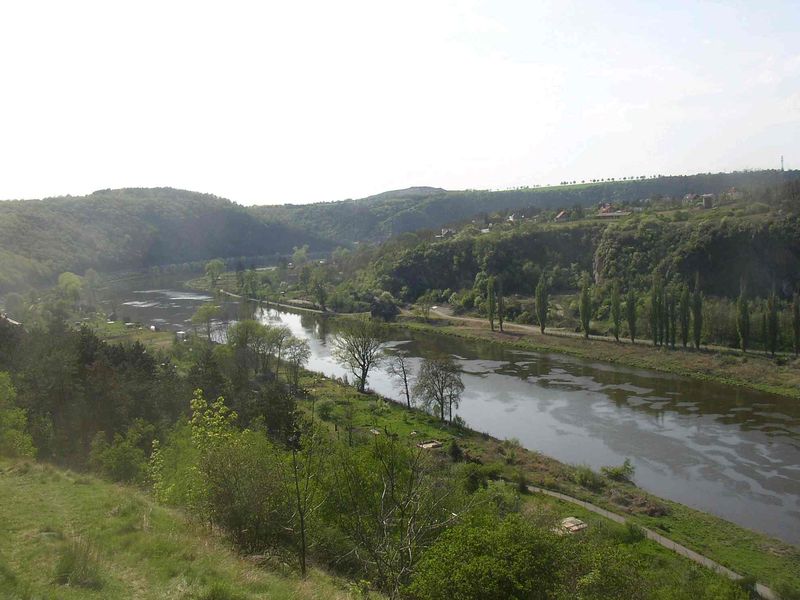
(141, 550)
(747, 552)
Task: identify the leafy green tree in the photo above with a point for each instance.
(685, 314)
(205, 315)
(630, 313)
(501, 303)
(616, 309)
(359, 346)
(656, 308)
(796, 323)
(425, 302)
(297, 352)
(585, 305)
(773, 330)
(439, 386)
(14, 439)
(250, 284)
(672, 318)
(542, 301)
(697, 312)
(490, 301)
(319, 288)
(384, 307)
(300, 255)
(70, 287)
(492, 561)
(214, 269)
(91, 280)
(743, 317)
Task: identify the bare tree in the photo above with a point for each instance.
(359, 345)
(297, 355)
(439, 386)
(399, 367)
(309, 450)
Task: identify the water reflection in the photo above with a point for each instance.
(725, 450)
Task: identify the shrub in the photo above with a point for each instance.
(77, 566)
(498, 560)
(624, 472)
(124, 459)
(325, 410)
(588, 479)
(455, 452)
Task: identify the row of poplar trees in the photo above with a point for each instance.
(676, 312)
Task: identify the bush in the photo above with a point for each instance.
(498, 560)
(455, 452)
(624, 472)
(588, 479)
(124, 459)
(325, 410)
(77, 566)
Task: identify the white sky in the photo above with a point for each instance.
(271, 102)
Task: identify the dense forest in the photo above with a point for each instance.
(114, 230)
(129, 229)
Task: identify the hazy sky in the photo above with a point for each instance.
(270, 102)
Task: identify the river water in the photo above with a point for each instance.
(724, 450)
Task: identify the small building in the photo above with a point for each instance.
(708, 200)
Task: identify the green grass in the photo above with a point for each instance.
(771, 561)
(64, 536)
(116, 332)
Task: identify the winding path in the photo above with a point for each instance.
(761, 589)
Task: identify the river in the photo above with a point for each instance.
(721, 449)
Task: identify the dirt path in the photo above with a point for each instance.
(761, 589)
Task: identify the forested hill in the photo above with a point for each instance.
(379, 217)
(130, 229)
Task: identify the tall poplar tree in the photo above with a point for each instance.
(501, 303)
(697, 312)
(685, 314)
(630, 312)
(796, 323)
(490, 300)
(542, 302)
(743, 317)
(585, 305)
(772, 322)
(616, 309)
(656, 298)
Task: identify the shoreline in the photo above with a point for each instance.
(739, 551)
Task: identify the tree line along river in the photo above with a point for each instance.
(724, 450)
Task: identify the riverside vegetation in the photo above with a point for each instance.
(330, 486)
(328, 479)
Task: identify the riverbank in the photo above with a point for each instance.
(770, 561)
(781, 377)
(737, 548)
